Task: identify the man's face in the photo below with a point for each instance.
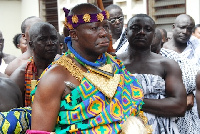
(93, 38)
(197, 32)
(45, 43)
(140, 32)
(116, 21)
(183, 30)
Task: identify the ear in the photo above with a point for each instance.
(73, 34)
(31, 44)
(23, 35)
(61, 46)
(173, 26)
(18, 46)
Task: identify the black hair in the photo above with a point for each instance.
(16, 39)
(142, 15)
(195, 27)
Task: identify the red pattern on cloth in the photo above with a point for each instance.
(31, 70)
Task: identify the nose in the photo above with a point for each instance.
(184, 30)
(141, 31)
(50, 42)
(102, 32)
(117, 21)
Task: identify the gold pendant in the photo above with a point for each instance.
(106, 70)
(107, 86)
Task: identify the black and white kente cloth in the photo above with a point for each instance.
(154, 88)
(190, 123)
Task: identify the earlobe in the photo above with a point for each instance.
(73, 34)
(23, 35)
(18, 46)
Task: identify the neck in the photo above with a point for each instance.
(139, 55)
(41, 64)
(180, 46)
(116, 36)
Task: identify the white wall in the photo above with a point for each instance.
(10, 24)
(29, 8)
(13, 12)
(193, 9)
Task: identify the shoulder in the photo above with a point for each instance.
(8, 58)
(168, 44)
(13, 65)
(52, 81)
(20, 71)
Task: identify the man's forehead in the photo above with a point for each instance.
(140, 20)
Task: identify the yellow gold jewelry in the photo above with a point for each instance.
(100, 17)
(107, 86)
(70, 66)
(106, 70)
(107, 14)
(86, 18)
(74, 19)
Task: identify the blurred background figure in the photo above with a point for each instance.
(169, 36)
(164, 36)
(157, 42)
(5, 59)
(117, 30)
(20, 42)
(196, 31)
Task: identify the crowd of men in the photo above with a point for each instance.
(74, 84)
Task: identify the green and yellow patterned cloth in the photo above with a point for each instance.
(88, 110)
(15, 121)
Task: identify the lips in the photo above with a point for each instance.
(104, 44)
(51, 50)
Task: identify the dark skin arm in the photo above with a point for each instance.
(18, 76)
(175, 102)
(10, 95)
(198, 92)
(47, 99)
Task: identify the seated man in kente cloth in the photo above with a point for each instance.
(44, 43)
(86, 90)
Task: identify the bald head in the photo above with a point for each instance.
(182, 28)
(112, 6)
(26, 22)
(185, 18)
(37, 28)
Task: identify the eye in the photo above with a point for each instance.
(106, 27)
(135, 27)
(189, 28)
(43, 38)
(94, 28)
(148, 29)
(54, 37)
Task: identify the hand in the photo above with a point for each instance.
(190, 101)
